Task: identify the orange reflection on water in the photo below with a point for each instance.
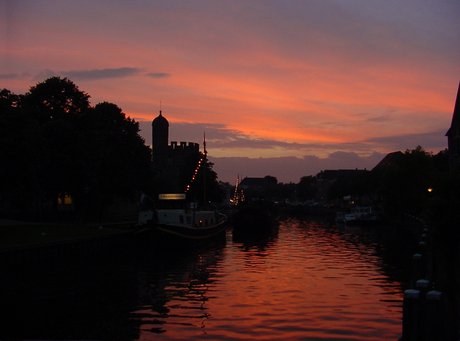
(308, 283)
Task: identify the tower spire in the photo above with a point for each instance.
(204, 143)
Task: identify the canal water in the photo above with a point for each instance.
(309, 280)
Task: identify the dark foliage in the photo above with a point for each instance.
(54, 142)
(306, 188)
(404, 187)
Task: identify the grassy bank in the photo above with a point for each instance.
(33, 234)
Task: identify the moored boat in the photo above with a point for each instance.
(340, 217)
(360, 215)
(177, 219)
(350, 218)
(254, 220)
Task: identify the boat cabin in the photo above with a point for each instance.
(361, 211)
(173, 209)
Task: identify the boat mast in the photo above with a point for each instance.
(235, 194)
(204, 169)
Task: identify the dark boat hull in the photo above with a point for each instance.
(254, 221)
(191, 233)
(172, 239)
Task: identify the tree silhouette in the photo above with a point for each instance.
(56, 106)
(54, 142)
(306, 188)
(20, 154)
(404, 187)
(55, 98)
(121, 160)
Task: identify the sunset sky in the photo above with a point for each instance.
(282, 88)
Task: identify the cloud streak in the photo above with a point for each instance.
(158, 75)
(89, 75)
(121, 72)
(9, 76)
(12, 76)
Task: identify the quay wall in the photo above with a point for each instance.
(61, 252)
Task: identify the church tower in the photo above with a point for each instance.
(160, 133)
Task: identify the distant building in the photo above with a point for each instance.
(390, 160)
(169, 159)
(453, 135)
(326, 178)
(256, 189)
(258, 183)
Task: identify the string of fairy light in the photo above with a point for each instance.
(238, 195)
(235, 195)
(200, 163)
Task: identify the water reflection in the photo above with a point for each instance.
(173, 293)
(311, 281)
(308, 281)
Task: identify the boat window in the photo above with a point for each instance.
(189, 220)
(206, 222)
(181, 219)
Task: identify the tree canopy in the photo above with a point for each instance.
(53, 141)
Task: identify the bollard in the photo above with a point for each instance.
(410, 314)
(417, 268)
(423, 251)
(423, 285)
(433, 315)
(422, 247)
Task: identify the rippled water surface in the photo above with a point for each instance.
(310, 281)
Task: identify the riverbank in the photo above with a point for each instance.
(26, 243)
(19, 233)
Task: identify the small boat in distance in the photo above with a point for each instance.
(178, 219)
(360, 215)
(342, 217)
